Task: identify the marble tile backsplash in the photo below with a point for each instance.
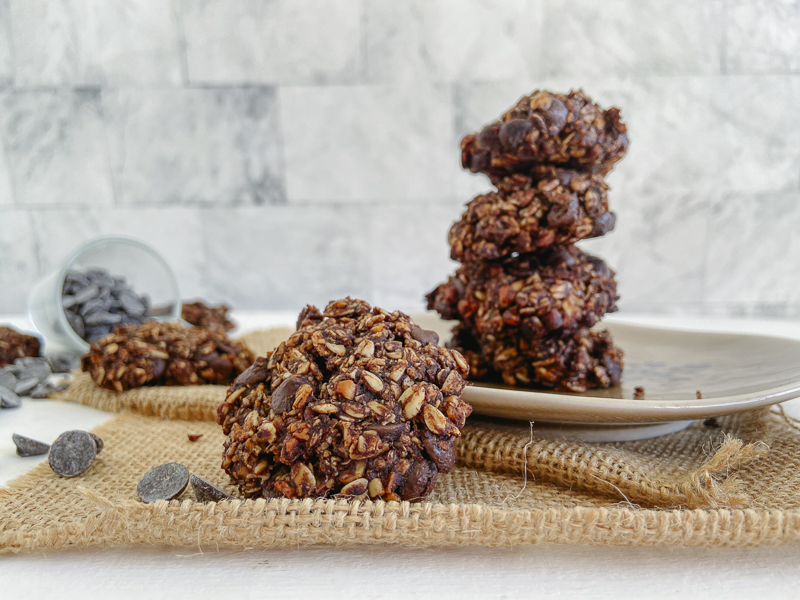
(284, 152)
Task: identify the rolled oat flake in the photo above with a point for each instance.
(29, 447)
(164, 482)
(72, 453)
(206, 491)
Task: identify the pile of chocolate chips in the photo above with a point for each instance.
(30, 376)
(95, 302)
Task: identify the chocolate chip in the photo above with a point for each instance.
(8, 379)
(556, 116)
(488, 136)
(560, 256)
(638, 393)
(25, 385)
(63, 362)
(98, 442)
(563, 215)
(102, 318)
(441, 451)
(253, 374)
(193, 437)
(283, 396)
(614, 369)
(205, 491)
(419, 480)
(43, 390)
(553, 319)
(164, 482)
(603, 224)
(132, 305)
(424, 336)
(77, 324)
(86, 294)
(32, 367)
(388, 433)
(9, 399)
(513, 133)
(29, 447)
(72, 453)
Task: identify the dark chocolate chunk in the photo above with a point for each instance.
(25, 385)
(8, 379)
(72, 453)
(205, 491)
(424, 336)
(440, 450)
(29, 447)
(9, 399)
(98, 442)
(64, 362)
(419, 480)
(283, 396)
(164, 482)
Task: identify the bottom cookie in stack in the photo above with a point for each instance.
(573, 361)
(526, 319)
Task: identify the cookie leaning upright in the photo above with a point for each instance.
(358, 401)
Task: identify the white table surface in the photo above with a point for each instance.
(386, 572)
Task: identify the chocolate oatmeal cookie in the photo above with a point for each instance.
(556, 206)
(157, 353)
(567, 130)
(559, 288)
(14, 345)
(209, 317)
(574, 361)
(357, 402)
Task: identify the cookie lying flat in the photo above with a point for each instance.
(532, 295)
(572, 362)
(358, 401)
(558, 206)
(14, 345)
(567, 130)
(157, 353)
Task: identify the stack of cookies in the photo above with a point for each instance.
(524, 295)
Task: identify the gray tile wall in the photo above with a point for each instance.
(280, 152)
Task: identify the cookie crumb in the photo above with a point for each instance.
(638, 393)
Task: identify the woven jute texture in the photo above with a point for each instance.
(733, 484)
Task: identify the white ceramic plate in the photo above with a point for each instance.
(733, 373)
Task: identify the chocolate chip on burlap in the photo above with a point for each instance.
(164, 482)
(72, 453)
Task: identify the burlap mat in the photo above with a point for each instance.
(732, 485)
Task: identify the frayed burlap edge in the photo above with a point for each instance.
(588, 468)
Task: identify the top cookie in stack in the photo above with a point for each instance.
(523, 285)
